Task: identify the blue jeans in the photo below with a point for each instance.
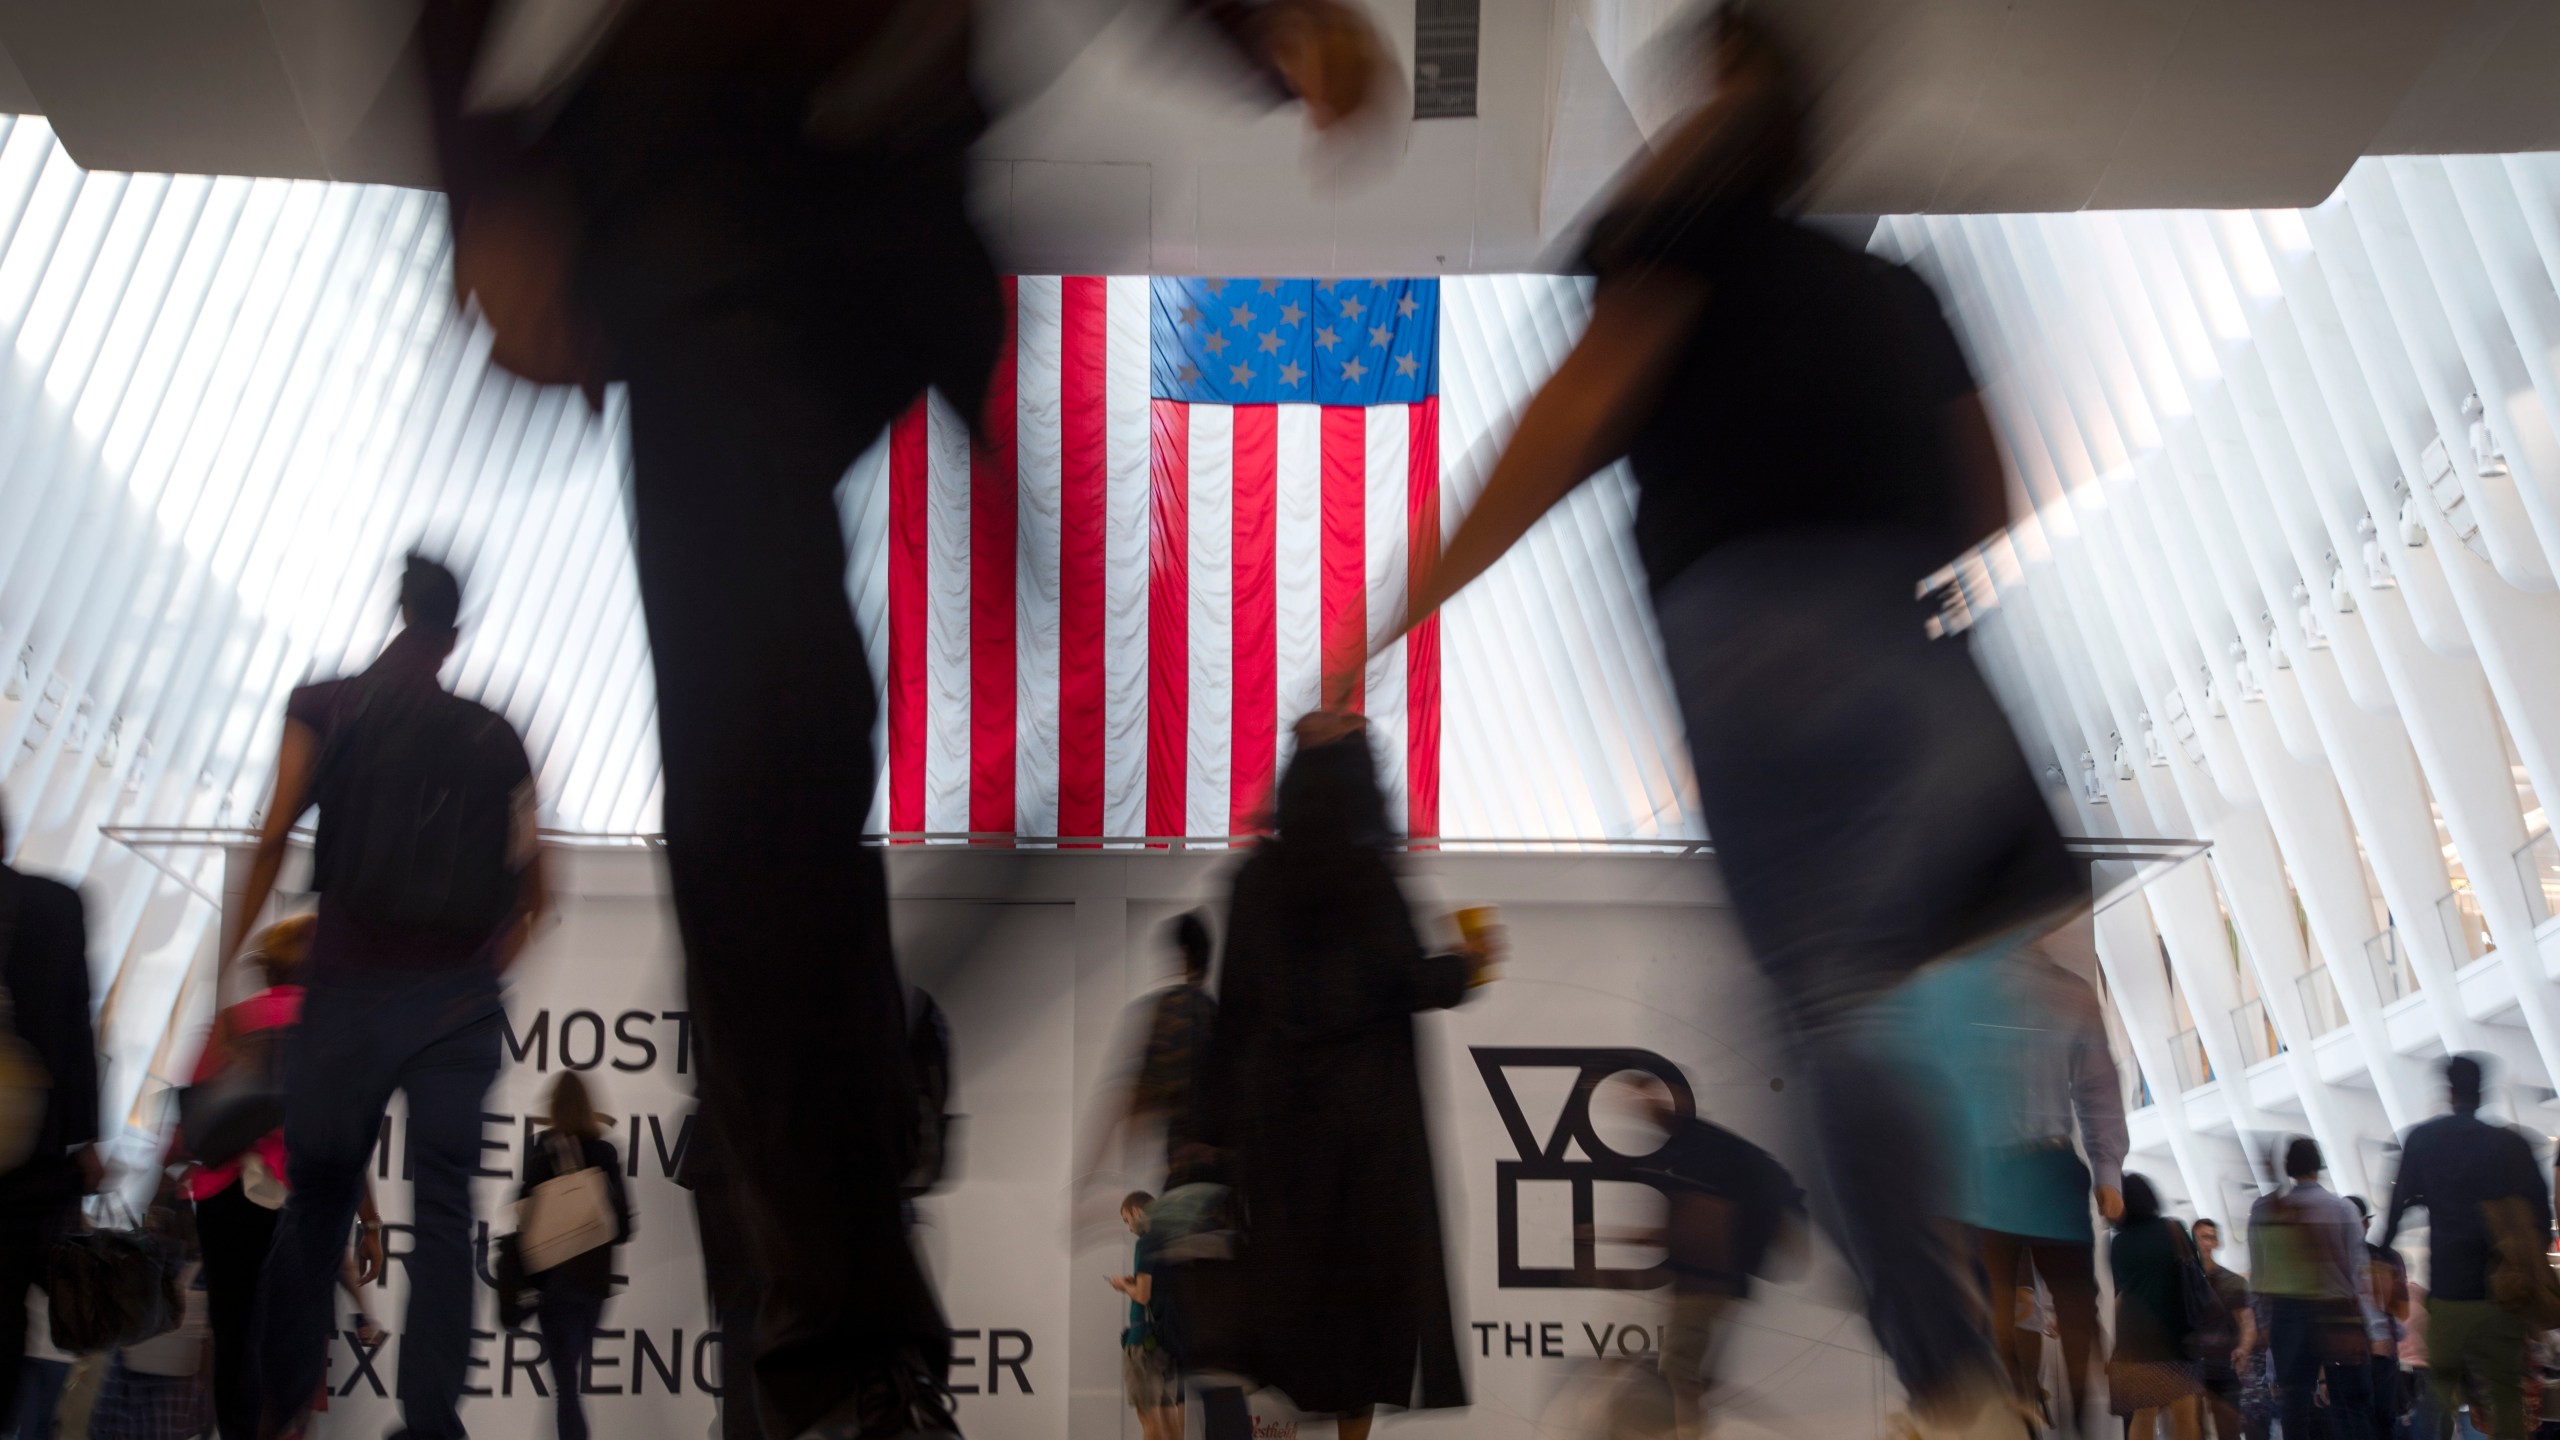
(568, 1331)
(433, 1035)
(1870, 811)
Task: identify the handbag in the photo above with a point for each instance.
(2522, 1284)
(25, 1086)
(232, 1109)
(567, 1215)
(113, 1283)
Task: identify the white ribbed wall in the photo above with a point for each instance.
(2203, 409)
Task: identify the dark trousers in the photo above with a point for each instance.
(737, 274)
(236, 1234)
(2312, 1342)
(2384, 1394)
(729, 1277)
(28, 1228)
(433, 1035)
(1871, 811)
(2070, 1275)
(569, 1324)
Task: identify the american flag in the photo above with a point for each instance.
(1104, 620)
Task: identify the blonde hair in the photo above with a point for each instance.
(279, 950)
(572, 1113)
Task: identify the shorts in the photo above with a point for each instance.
(1147, 1374)
(1689, 1338)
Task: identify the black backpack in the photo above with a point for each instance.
(416, 789)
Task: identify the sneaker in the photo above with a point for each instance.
(907, 1403)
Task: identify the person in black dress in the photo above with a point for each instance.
(1808, 446)
(1314, 1093)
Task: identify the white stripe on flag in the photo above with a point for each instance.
(1209, 764)
(864, 501)
(1124, 650)
(1298, 553)
(946, 660)
(1390, 438)
(1040, 488)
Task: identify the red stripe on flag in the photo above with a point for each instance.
(1344, 548)
(908, 482)
(994, 518)
(1422, 647)
(1256, 616)
(1168, 616)
(1083, 540)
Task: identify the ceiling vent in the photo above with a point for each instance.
(1445, 38)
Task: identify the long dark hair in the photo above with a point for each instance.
(2141, 1201)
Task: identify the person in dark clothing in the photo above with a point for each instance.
(1163, 1088)
(730, 1280)
(2231, 1341)
(1728, 1204)
(1807, 446)
(574, 1291)
(392, 1002)
(2454, 1167)
(707, 215)
(1314, 1092)
(44, 957)
(2386, 1310)
(2153, 1370)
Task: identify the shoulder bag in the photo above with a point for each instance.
(567, 1215)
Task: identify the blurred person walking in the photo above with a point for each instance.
(2471, 1177)
(430, 882)
(1807, 445)
(2228, 1344)
(573, 1292)
(1730, 1210)
(44, 961)
(238, 1203)
(754, 213)
(2307, 1267)
(1315, 1093)
(1163, 1088)
(2158, 1277)
(2386, 1312)
(2037, 1125)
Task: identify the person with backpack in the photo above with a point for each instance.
(574, 1290)
(2161, 1294)
(238, 1201)
(430, 883)
(2474, 1178)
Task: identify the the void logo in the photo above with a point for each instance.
(1553, 1158)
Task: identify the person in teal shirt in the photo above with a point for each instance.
(1147, 1371)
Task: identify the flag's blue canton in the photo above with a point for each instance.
(1224, 341)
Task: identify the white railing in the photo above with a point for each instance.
(2466, 930)
(2186, 1051)
(2389, 960)
(2538, 865)
(2320, 1003)
(2255, 1032)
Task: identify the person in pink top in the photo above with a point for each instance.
(237, 1201)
